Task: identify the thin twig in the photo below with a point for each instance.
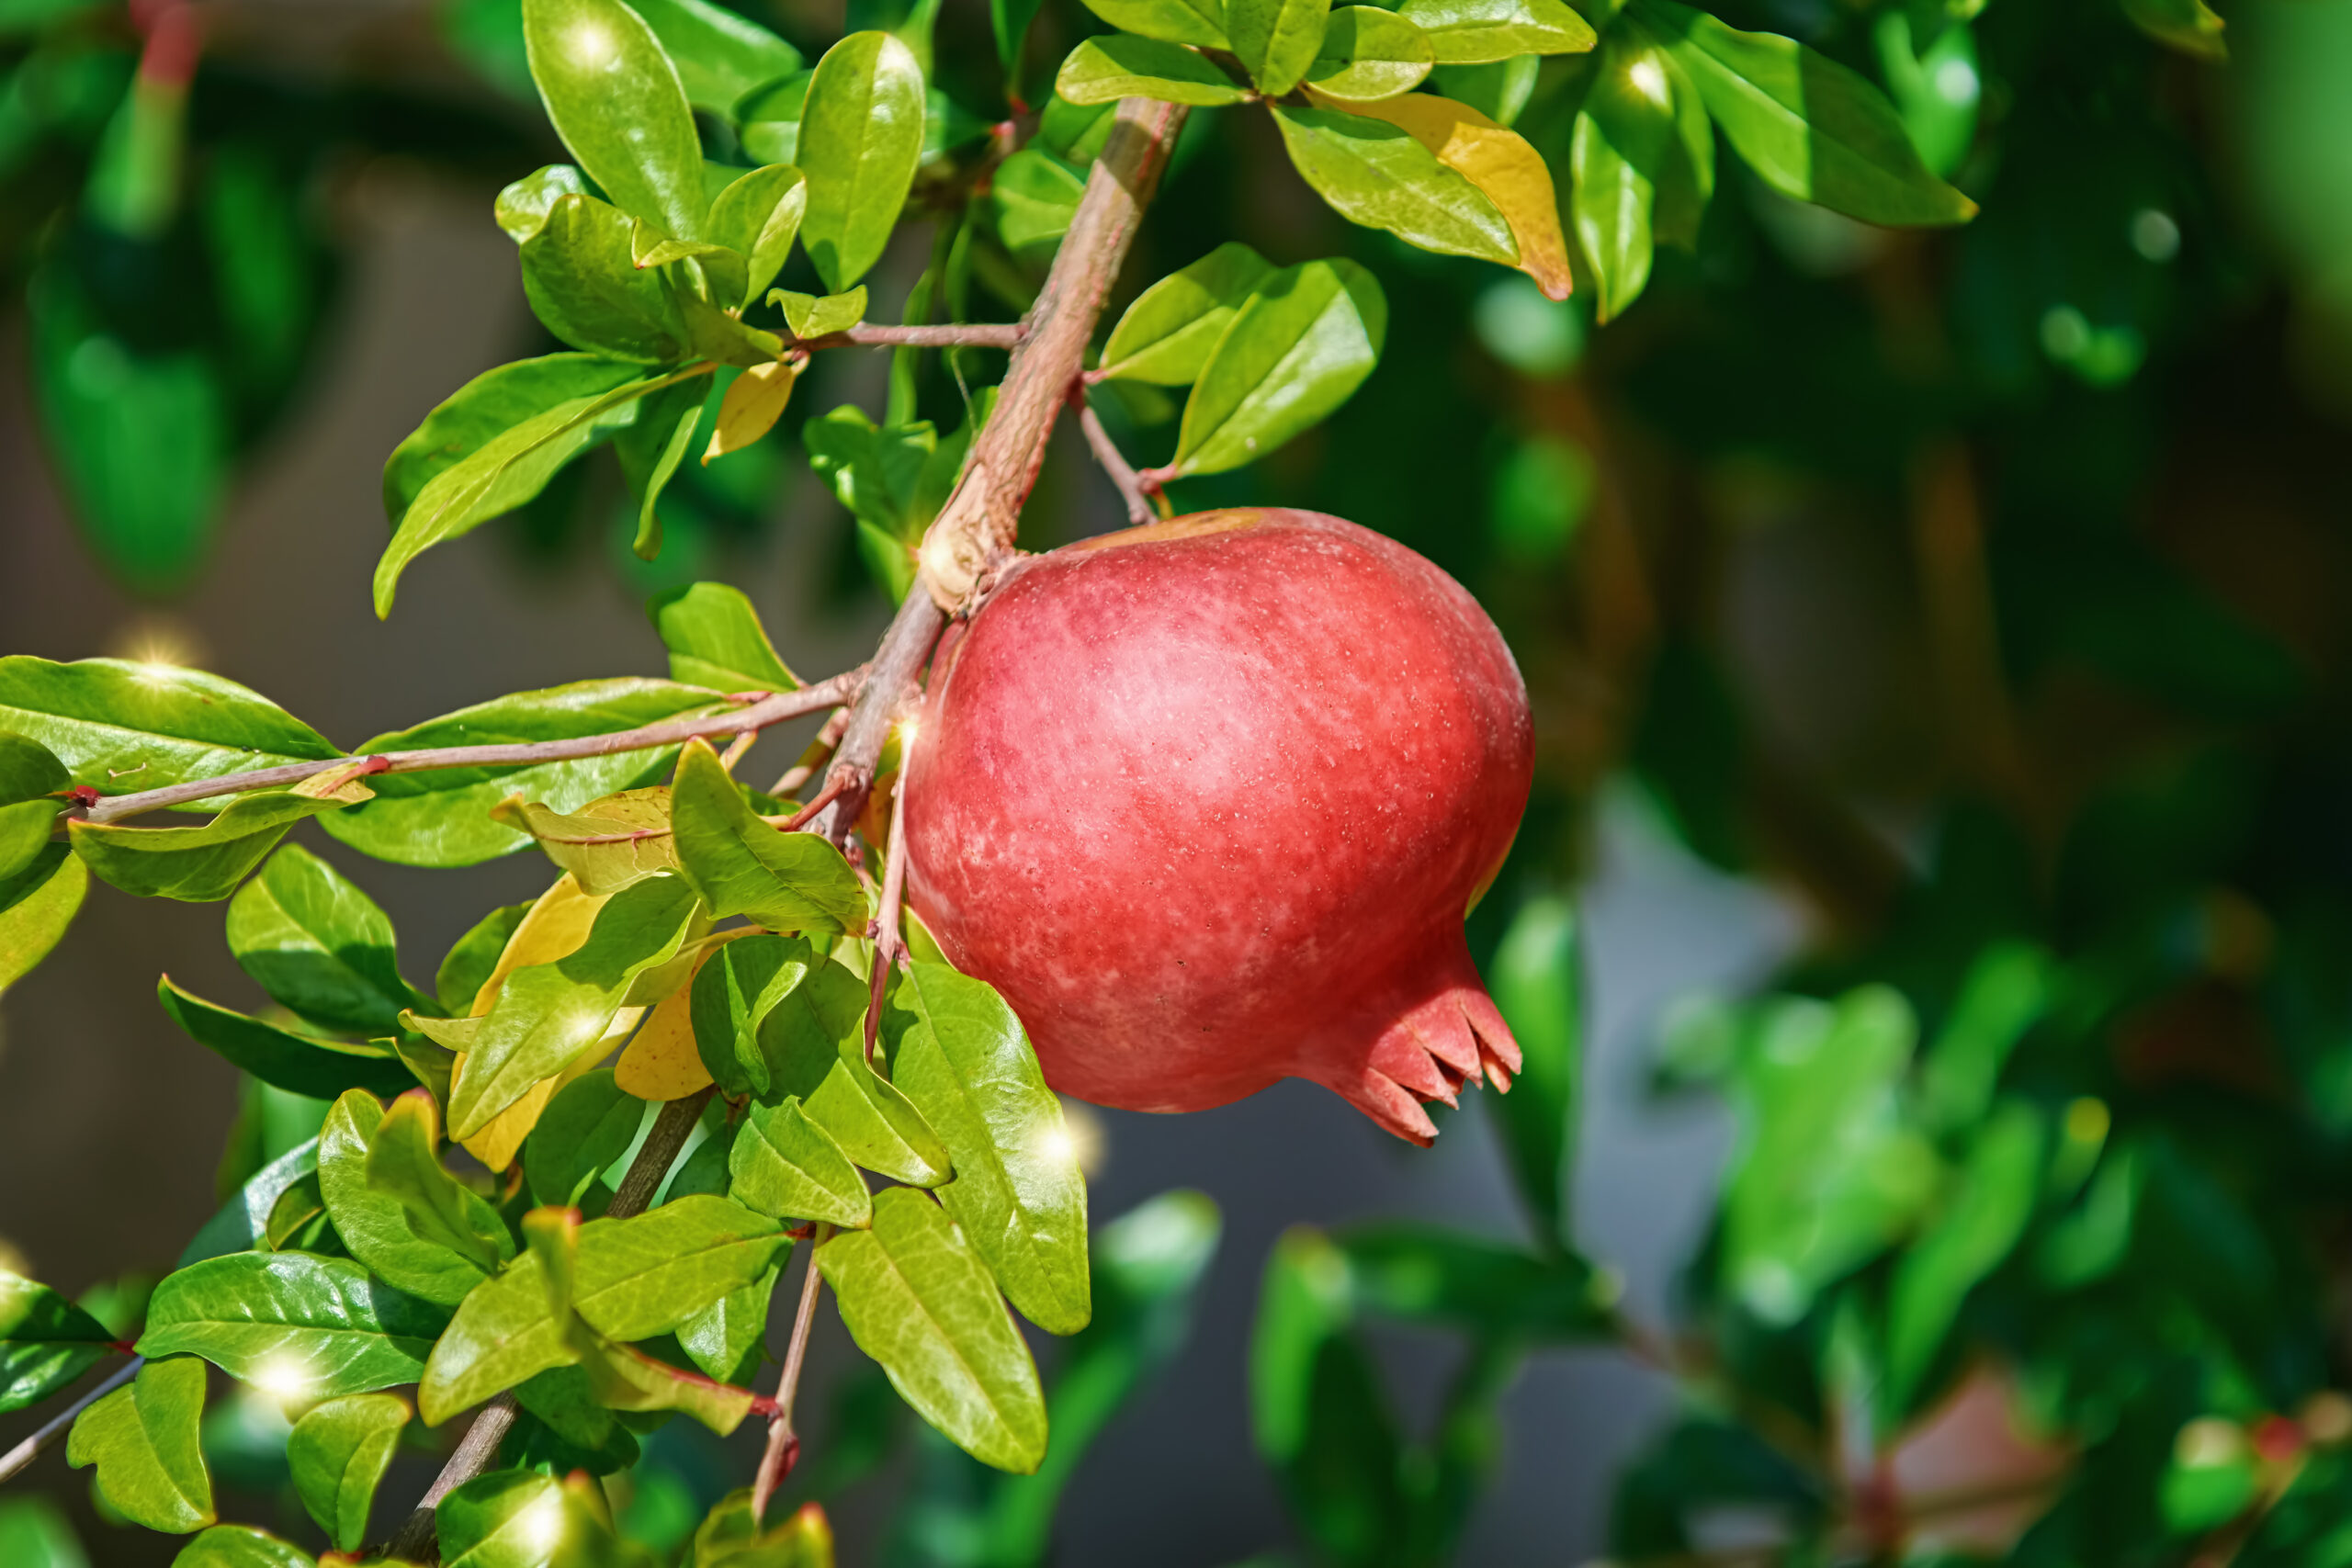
(24, 1453)
(418, 1540)
(912, 635)
(765, 709)
(815, 757)
(889, 945)
(735, 749)
(1115, 462)
(944, 334)
(783, 1443)
(800, 819)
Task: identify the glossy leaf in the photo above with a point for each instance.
(1470, 32)
(1033, 198)
(715, 640)
(607, 844)
(298, 1325)
(784, 1164)
(196, 865)
(144, 1440)
(1375, 174)
(961, 1056)
(241, 1546)
(740, 865)
(471, 961)
(521, 212)
(1368, 53)
(1984, 1217)
(441, 816)
(1298, 346)
(814, 1041)
(861, 136)
(373, 1224)
(1811, 128)
(1121, 65)
(546, 1015)
(814, 315)
(582, 276)
(338, 1452)
(754, 401)
(299, 1063)
(1166, 336)
(404, 1164)
(121, 725)
(733, 994)
(759, 216)
(917, 1300)
(727, 1339)
(487, 407)
(320, 947)
(589, 1124)
(1276, 40)
(518, 1519)
(25, 830)
(648, 1274)
(1538, 982)
(242, 1223)
(1507, 171)
(36, 906)
(617, 101)
(663, 1061)
(720, 55)
(651, 447)
(1198, 22)
(46, 1342)
(502, 1334)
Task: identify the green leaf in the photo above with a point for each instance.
(469, 964)
(813, 316)
(728, 1339)
(2008, 991)
(503, 1333)
(769, 121)
(319, 946)
(618, 103)
(1277, 41)
(36, 906)
(581, 277)
(1538, 983)
(1811, 128)
(1121, 65)
(338, 1452)
(1368, 54)
(959, 1054)
(516, 1518)
(490, 405)
(1936, 85)
(45, 1342)
(29, 770)
(521, 210)
(1149, 1265)
(1428, 1274)
(607, 844)
(241, 1546)
(404, 1164)
(2189, 25)
(703, 1169)
(861, 139)
(917, 1300)
(441, 816)
(648, 1274)
(1471, 32)
(651, 447)
(1166, 335)
(734, 991)
(25, 830)
(301, 1326)
(759, 215)
(716, 641)
(893, 480)
(547, 1014)
(1375, 174)
(34, 1533)
(1033, 198)
(625, 1378)
(195, 865)
(1199, 22)
(1295, 351)
(144, 1440)
(242, 1223)
(299, 1063)
(120, 725)
(1984, 1217)
(374, 1226)
(720, 55)
(1624, 140)
(1315, 1407)
(813, 1041)
(501, 475)
(741, 866)
(589, 1124)
(784, 1164)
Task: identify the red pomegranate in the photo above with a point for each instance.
(1206, 801)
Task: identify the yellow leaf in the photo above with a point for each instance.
(751, 405)
(1498, 161)
(496, 1145)
(556, 926)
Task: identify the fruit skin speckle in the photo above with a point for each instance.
(1207, 800)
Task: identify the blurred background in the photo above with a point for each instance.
(1885, 598)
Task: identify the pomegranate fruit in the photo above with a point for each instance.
(1207, 800)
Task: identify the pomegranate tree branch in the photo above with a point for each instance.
(24, 1453)
(973, 533)
(1113, 461)
(418, 1540)
(759, 710)
(944, 334)
(783, 1443)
